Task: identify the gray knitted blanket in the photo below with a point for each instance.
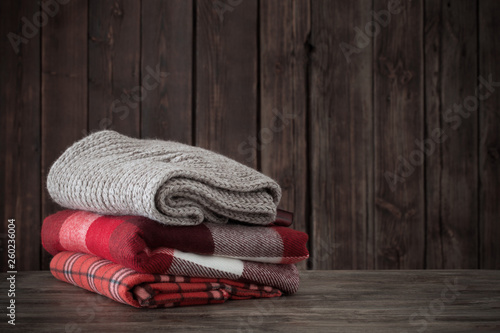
(170, 182)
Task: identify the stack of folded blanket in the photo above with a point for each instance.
(155, 223)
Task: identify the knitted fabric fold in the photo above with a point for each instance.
(126, 239)
(166, 181)
(141, 290)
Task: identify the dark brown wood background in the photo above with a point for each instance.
(266, 83)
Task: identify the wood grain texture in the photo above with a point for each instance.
(341, 138)
(113, 66)
(349, 156)
(327, 301)
(489, 135)
(167, 44)
(284, 30)
(20, 138)
(64, 90)
(451, 166)
(226, 78)
(398, 122)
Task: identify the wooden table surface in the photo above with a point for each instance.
(327, 301)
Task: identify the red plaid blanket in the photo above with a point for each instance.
(125, 237)
(122, 238)
(149, 290)
(116, 240)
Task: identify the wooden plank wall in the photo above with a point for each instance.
(20, 144)
(380, 119)
(452, 170)
(341, 139)
(398, 121)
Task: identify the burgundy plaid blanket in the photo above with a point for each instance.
(123, 238)
(149, 290)
(118, 240)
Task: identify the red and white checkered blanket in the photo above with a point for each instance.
(137, 243)
(149, 290)
(128, 237)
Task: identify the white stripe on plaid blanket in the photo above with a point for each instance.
(228, 265)
(91, 273)
(68, 267)
(180, 266)
(114, 282)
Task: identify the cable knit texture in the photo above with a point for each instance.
(169, 182)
